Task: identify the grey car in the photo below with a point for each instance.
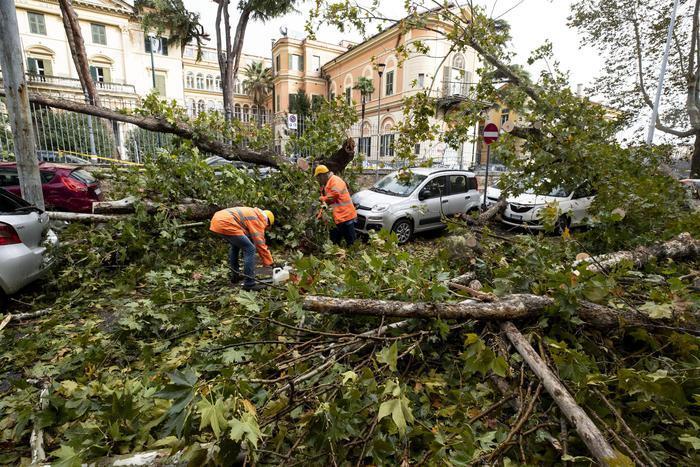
(406, 204)
(25, 241)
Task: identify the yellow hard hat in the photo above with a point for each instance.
(320, 169)
(270, 216)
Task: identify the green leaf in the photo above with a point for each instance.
(212, 415)
(233, 356)
(247, 427)
(657, 311)
(500, 367)
(67, 457)
(386, 408)
(692, 440)
(389, 355)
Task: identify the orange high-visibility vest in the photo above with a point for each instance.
(241, 221)
(337, 197)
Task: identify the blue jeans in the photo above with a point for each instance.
(236, 244)
(344, 230)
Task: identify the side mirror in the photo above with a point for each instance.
(424, 194)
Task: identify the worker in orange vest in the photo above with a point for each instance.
(244, 229)
(335, 194)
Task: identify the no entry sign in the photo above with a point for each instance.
(490, 133)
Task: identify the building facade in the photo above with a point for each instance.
(321, 69)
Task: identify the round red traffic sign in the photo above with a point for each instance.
(490, 133)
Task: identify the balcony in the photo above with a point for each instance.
(49, 81)
(453, 93)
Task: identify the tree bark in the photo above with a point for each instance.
(587, 430)
(695, 159)
(342, 157)
(106, 211)
(683, 246)
(18, 105)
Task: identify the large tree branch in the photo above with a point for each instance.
(181, 129)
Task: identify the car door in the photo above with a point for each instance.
(581, 200)
(458, 199)
(432, 197)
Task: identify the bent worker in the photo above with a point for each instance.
(335, 194)
(244, 229)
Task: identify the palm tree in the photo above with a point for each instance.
(257, 84)
(366, 88)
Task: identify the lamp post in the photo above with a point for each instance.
(151, 38)
(380, 70)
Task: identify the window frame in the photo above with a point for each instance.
(389, 83)
(434, 179)
(386, 145)
(101, 34)
(40, 24)
(450, 184)
(348, 95)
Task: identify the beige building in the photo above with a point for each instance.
(328, 70)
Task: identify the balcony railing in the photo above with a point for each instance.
(455, 89)
(63, 82)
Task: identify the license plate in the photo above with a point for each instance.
(517, 218)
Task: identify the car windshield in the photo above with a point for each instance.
(557, 192)
(84, 176)
(396, 185)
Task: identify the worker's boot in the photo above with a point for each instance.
(253, 287)
(235, 277)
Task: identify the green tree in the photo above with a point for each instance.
(631, 36)
(171, 17)
(258, 84)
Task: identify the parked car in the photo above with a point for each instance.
(65, 187)
(25, 238)
(417, 203)
(61, 157)
(526, 209)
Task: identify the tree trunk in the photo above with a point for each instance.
(589, 433)
(77, 50)
(695, 160)
(342, 157)
(683, 246)
(18, 105)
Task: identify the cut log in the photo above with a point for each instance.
(81, 217)
(487, 215)
(510, 307)
(587, 430)
(121, 206)
(682, 247)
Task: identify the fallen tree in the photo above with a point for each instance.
(684, 246)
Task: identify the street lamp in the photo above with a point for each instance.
(380, 70)
(151, 41)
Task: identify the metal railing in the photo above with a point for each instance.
(456, 89)
(74, 83)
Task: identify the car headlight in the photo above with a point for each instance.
(380, 207)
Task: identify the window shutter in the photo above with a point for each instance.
(48, 69)
(446, 75)
(93, 73)
(160, 84)
(164, 45)
(107, 74)
(31, 66)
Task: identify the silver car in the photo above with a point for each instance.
(25, 238)
(415, 202)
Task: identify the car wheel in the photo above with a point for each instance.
(562, 224)
(403, 228)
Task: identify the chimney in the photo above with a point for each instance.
(579, 90)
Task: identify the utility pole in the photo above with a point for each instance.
(662, 74)
(18, 105)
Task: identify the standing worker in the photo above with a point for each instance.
(335, 194)
(244, 229)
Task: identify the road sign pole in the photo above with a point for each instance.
(486, 178)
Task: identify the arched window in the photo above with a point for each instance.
(458, 62)
(191, 107)
(254, 112)
(456, 81)
(246, 113)
(210, 83)
(237, 111)
(189, 81)
(201, 107)
(237, 87)
(217, 82)
(200, 81)
(210, 105)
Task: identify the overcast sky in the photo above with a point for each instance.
(532, 22)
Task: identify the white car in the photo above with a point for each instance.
(526, 209)
(406, 205)
(25, 239)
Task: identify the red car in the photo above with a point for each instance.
(65, 187)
